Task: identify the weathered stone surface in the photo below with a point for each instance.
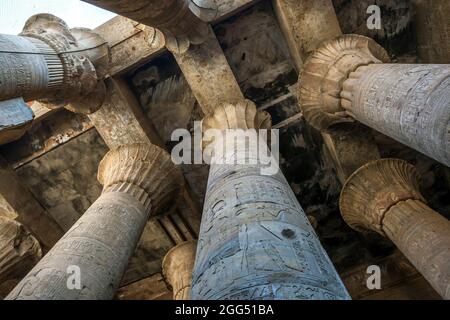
(15, 119)
(433, 30)
(120, 120)
(181, 27)
(18, 203)
(132, 44)
(146, 166)
(19, 250)
(209, 75)
(136, 180)
(48, 61)
(325, 71)
(177, 266)
(255, 236)
(409, 103)
(241, 115)
(306, 24)
(346, 80)
(384, 196)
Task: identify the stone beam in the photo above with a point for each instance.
(45, 134)
(121, 120)
(132, 44)
(15, 118)
(18, 203)
(209, 75)
(383, 196)
(138, 181)
(306, 24)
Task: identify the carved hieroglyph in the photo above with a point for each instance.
(346, 80)
(48, 61)
(179, 20)
(139, 181)
(255, 240)
(383, 196)
(177, 267)
(409, 103)
(19, 250)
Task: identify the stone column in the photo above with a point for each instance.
(349, 78)
(432, 25)
(181, 21)
(19, 252)
(138, 181)
(50, 62)
(177, 268)
(383, 196)
(255, 240)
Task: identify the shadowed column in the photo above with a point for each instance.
(383, 196)
(138, 181)
(255, 240)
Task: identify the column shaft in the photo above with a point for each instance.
(174, 18)
(99, 244)
(306, 24)
(384, 196)
(256, 241)
(89, 261)
(423, 236)
(30, 68)
(409, 103)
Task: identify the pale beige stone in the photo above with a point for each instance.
(349, 79)
(19, 250)
(181, 27)
(177, 267)
(254, 235)
(383, 196)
